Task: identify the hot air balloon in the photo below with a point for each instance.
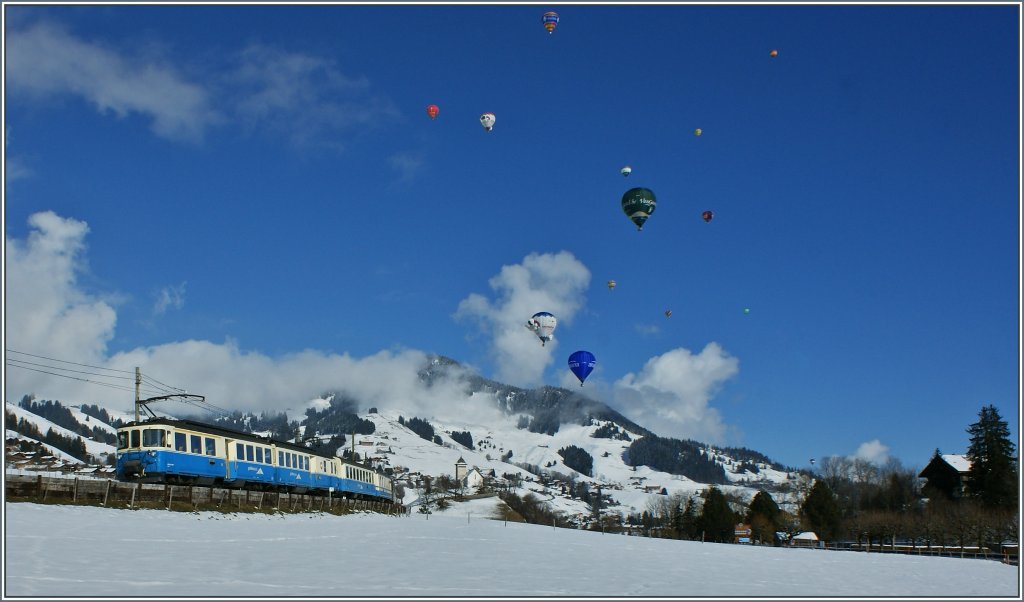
(707, 215)
(812, 461)
(543, 325)
(611, 285)
(698, 132)
(746, 310)
(773, 53)
(668, 313)
(638, 204)
(433, 110)
(582, 364)
(625, 171)
(550, 21)
(487, 120)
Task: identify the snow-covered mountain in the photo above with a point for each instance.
(517, 435)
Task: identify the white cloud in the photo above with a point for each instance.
(406, 164)
(169, 297)
(551, 282)
(45, 60)
(873, 451)
(305, 98)
(14, 167)
(671, 394)
(46, 313)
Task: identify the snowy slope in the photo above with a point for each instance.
(50, 551)
(94, 448)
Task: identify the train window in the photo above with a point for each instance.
(196, 444)
(249, 453)
(288, 460)
(269, 455)
(154, 437)
(259, 455)
(280, 458)
(211, 447)
(135, 438)
(122, 439)
(240, 448)
(179, 441)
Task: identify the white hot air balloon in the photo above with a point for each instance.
(626, 171)
(543, 325)
(487, 120)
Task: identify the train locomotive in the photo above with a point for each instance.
(184, 452)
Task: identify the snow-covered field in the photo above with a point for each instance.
(96, 552)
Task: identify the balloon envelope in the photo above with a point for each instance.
(550, 21)
(611, 285)
(582, 364)
(638, 204)
(773, 53)
(487, 120)
(433, 110)
(668, 313)
(626, 170)
(698, 132)
(707, 215)
(543, 325)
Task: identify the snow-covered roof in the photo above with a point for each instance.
(811, 535)
(957, 461)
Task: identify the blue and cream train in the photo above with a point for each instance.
(164, 450)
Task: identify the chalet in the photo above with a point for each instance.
(946, 474)
(807, 539)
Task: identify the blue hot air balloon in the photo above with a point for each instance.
(582, 364)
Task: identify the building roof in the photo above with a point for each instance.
(958, 461)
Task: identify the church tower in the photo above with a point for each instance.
(460, 470)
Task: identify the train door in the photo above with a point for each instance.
(230, 468)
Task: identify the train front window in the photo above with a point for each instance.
(153, 437)
(135, 438)
(122, 440)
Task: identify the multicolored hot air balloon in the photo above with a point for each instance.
(638, 204)
(668, 313)
(698, 132)
(611, 285)
(582, 364)
(550, 21)
(433, 110)
(487, 120)
(543, 325)
(773, 53)
(707, 215)
(625, 171)
(746, 310)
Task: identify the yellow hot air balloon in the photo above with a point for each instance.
(611, 285)
(698, 132)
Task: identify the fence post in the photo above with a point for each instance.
(106, 494)
(74, 494)
(131, 504)
(170, 496)
(260, 506)
(46, 490)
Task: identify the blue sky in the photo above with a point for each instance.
(251, 202)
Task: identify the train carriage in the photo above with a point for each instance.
(166, 450)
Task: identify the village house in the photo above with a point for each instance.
(946, 473)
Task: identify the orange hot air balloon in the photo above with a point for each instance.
(433, 110)
(773, 53)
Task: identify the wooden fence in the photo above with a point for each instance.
(118, 494)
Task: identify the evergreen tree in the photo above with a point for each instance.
(992, 478)
(762, 516)
(717, 519)
(820, 511)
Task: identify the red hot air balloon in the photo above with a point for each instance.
(707, 215)
(433, 110)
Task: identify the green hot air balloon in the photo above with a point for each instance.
(638, 204)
